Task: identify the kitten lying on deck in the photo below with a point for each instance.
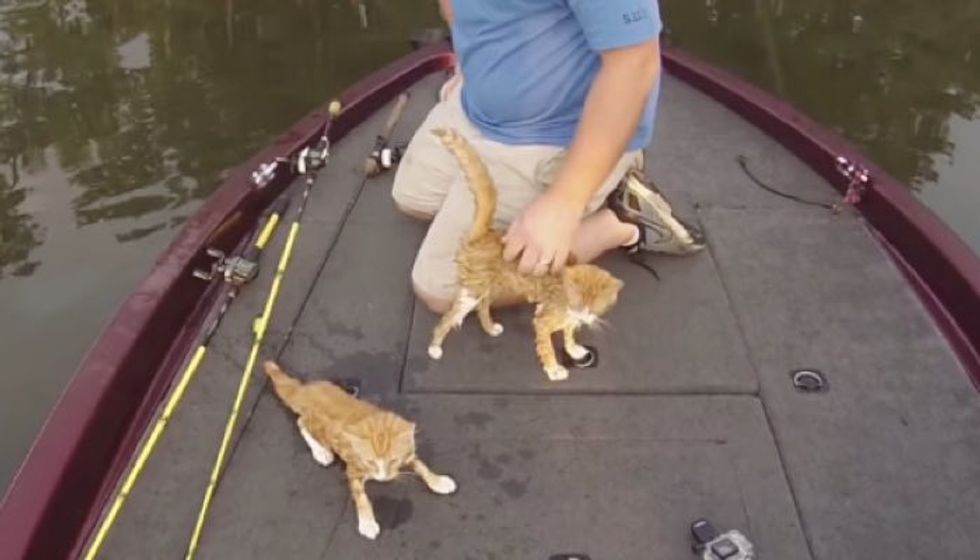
(374, 444)
(578, 295)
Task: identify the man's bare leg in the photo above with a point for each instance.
(601, 232)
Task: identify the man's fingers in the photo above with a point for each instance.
(561, 257)
(513, 244)
(543, 265)
(510, 230)
(529, 258)
(541, 268)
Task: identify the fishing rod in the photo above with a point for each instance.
(236, 271)
(384, 156)
(308, 163)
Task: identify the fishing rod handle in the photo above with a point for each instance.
(273, 215)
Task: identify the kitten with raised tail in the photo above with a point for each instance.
(374, 444)
(579, 295)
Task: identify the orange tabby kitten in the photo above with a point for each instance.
(578, 295)
(374, 444)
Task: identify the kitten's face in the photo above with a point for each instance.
(383, 444)
(591, 292)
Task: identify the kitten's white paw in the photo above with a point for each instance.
(443, 485)
(369, 528)
(497, 330)
(577, 352)
(323, 456)
(435, 352)
(557, 373)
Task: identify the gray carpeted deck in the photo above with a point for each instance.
(690, 412)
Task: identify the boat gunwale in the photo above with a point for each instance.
(56, 498)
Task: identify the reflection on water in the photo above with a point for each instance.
(117, 118)
(143, 103)
(890, 75)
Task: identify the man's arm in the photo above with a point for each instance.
(612, 112)
(616, 100)
(446, 9)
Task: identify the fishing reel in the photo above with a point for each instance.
(308, 159)
(858, 178)
(386, 156)
(853, 172)
(312, 159)
(233, 270)
(709, 544)
(266, 172)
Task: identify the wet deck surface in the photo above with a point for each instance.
(690, 412)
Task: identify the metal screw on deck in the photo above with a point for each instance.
(710, 544)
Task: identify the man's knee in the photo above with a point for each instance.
(413, 211)
(435, 303)
(406, 203)
(430, 284)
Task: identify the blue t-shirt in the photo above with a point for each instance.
(528, 64)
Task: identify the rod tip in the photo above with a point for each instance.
(334, 108)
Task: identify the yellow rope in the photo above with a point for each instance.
(259, 327)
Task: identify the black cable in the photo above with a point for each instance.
(743, 162)
(636, 257)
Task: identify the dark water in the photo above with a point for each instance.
(117, 118)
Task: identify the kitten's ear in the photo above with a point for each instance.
(617, 284)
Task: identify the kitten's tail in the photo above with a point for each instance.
(286, 387)
(477, 177)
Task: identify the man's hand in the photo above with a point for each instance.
(542, 234)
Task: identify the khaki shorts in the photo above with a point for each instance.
(428, 182)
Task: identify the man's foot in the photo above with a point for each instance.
(640, 203)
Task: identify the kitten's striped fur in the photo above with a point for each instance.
(578, 295)
(374, 444)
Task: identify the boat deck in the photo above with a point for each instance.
(689, 413)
